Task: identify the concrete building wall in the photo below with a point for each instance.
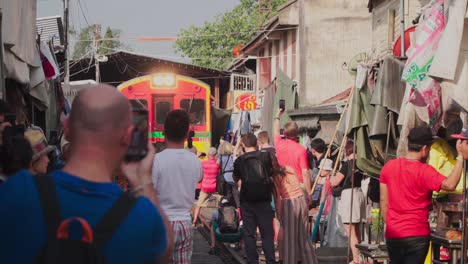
(386, 23)
(334, 32)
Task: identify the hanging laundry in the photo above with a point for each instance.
(245, 125)
(389, 89)
(47, 67)
(51, 70)
(361, 76)
(372, 78)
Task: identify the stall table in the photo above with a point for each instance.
(377, 253)
(454, 246)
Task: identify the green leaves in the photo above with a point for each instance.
(111, 42)
(84, 47)
(211, 45)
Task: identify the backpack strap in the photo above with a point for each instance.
(111, 221)
(227, 162)
(50, 205)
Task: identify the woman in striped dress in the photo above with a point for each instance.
(292, 211)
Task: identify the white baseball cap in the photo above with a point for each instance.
(327, 164)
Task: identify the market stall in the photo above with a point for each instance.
(392, 95)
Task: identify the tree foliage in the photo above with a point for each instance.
(84, 47)
(211, 44)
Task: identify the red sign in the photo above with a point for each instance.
(246, 102)
(397, 45)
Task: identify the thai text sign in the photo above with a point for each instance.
(244, 90)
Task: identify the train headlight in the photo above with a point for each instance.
(164, 80)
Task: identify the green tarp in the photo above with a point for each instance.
(370, 150)
(286, 90)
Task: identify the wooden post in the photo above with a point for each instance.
(216, 92)
(391, 28)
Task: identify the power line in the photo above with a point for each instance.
(162, 56)
(83, 13)
(166, 38)
(76, 61)
(198, 78)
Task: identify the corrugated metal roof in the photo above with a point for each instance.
(339, 97)
(51, 28)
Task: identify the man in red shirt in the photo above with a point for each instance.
(289, 152)
(406, 186)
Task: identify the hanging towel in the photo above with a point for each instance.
(51, 70)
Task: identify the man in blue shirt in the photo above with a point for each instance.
(99, 131)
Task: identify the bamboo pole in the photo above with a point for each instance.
(324, 199)
(334, 136)
(352, 198)
(464, 239)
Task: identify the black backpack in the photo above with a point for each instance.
(228, 221)
(88, 248)
(257, 185)
(221, 184)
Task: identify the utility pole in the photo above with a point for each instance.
(97, 37)
(66, 22)
(402, 28)
(2, 79)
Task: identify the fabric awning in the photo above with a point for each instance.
(21, 55)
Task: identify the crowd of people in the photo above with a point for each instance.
(149, 212)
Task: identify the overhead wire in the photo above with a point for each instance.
(194, 36)
(82, 70)
(162, 56)
(76, 61)
(83, 13)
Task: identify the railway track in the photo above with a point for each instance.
(223, 252)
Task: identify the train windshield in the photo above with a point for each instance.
(138, 104)
(162, 109)
(196, 110)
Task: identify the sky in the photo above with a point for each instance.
(137, 18)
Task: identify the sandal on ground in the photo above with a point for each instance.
(212, 251)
